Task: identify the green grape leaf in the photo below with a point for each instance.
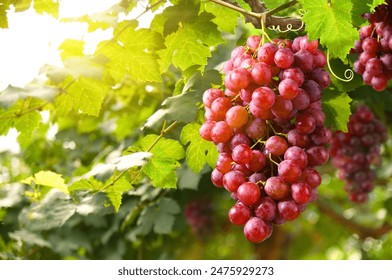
(332, 24)
(22, 5)
(133, 54)
(84, 95)
(163, 148)
(170, 19)
(199, 150)
(52, 212)
(90, 184)
(184, 49)
(183, 107)
(162, 173)
(23, 116)
(48, 179)
(161, 168)
(116, 189)
(359, 8)
(336, 106)
(3, 14)
(51, 7)
(71, 48)
(159, 217)
(225, 19)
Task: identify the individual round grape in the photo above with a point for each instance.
(282, 107)
(261, 74)
(288, 210)
(239, 138)
(223, 164)
(266, 53)
(379, 82)
(300, 192)
(239, 214)
(301, 101)
(288, 88)
(305, 123)
(370, 45)
(253, 42)
(321, 136)
(321, 77)
(313, 89)
(277, 188)
(242, 154)
(297, 139)
(284, 58)
(304, 60)
(256, 128)
(220, 106)
(216, 178)
(210, 95)
(237, 116)
(265, 209)
(276, 145)
(205, 130)
(232, 180)
(257, 162)
(248, 193)
(311, 177)
(296, 155)
(263, 97)
(256, 230)
(289, 171)
(221, 132)
(317, 155)
(294, 74)
(237, 79)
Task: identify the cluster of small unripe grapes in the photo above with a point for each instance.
(374, 48)
(199, 214)
(354, 152)
(268, 126)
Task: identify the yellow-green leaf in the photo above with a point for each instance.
(48, 179)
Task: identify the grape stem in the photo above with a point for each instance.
(361, 230)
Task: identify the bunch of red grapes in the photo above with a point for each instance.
(269, 129)
(199, 215)
(374, 48)
(354, 152)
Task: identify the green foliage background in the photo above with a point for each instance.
(127, 157)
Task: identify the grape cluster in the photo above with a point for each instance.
(354, 152)
(268, 127)
(374, 48)
(199, 215)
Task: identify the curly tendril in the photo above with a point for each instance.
(289, 27)
(348, 74)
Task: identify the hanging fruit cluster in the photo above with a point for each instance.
(268, 126)
(354, 152)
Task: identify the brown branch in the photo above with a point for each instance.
(361, 230)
